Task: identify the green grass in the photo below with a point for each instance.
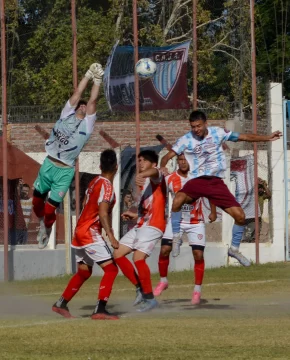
(245, 320)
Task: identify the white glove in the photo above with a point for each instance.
(98, 75)
(95, 71)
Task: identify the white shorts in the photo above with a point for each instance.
(195, 233)
(94, 253)
(143, 239)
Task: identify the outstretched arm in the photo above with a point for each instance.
(260, 138)
(165, 160)
(76, 96)
(94, 73)
(151, 173)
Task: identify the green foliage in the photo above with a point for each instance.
(39, 41)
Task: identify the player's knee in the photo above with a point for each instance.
(179, 200)
(53, 203)
(239, 217)
(85, 271)
(37, 195)
(197, 254)
(165, 251)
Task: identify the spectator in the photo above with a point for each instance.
(128, 205)
(26, 207)
(263, 194)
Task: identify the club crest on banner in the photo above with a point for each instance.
(166, 90)
(169, 65)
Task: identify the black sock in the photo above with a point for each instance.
(61, 302)
(148, 296)
(100, 307)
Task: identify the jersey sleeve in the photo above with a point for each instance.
(180, 145)
(106, 193)
(228, 135)
(67, 110)
(90, 122)
(158, 179)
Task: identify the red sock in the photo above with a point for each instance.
(75, 283)
(38, 206)
(163, 264)
(49, 215)
(144, 276)
(106, 284)
(127, 269)
(198, 271)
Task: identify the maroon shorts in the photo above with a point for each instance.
(213, 188)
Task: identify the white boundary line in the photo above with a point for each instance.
(172, 286)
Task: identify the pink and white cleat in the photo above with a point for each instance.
(160, 288)
(196, 298)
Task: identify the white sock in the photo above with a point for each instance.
(163, 280)
(197, 288)
(234, 248)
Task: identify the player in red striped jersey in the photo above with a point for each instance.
(149, 230)
(90, 247)
(192, 224)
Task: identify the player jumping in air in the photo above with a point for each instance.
(192, 224)
(202, 147)
(88, 241)
(69, 135)
(148, 231)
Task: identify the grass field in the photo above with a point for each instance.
(245, 314)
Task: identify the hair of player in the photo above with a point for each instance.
(197, 115)
(81, 102)
(149, 155)
(25, 185)
(108, 161)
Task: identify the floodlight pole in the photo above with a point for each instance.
(136, 83)
(254, 118)
(194, 54)
(75, 85)
(4, 140)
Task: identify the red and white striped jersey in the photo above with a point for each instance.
(191, 213)
(89, 227)
(151, 208)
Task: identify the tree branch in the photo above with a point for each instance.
(232, 56)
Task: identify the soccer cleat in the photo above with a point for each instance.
(139, 297)
(161, 286)
(195, 298)
(176, 243)
(239, 256)
(62, 310)
(148, 304)
(104, 316)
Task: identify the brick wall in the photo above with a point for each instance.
(27, 139)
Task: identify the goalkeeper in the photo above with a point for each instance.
(69, 135)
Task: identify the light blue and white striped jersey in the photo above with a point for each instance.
(69, 135)
(205, 156)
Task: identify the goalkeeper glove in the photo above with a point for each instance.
(95, 71)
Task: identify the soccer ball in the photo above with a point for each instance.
(145, 68)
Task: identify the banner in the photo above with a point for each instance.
(242, 172)
(166, 90)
